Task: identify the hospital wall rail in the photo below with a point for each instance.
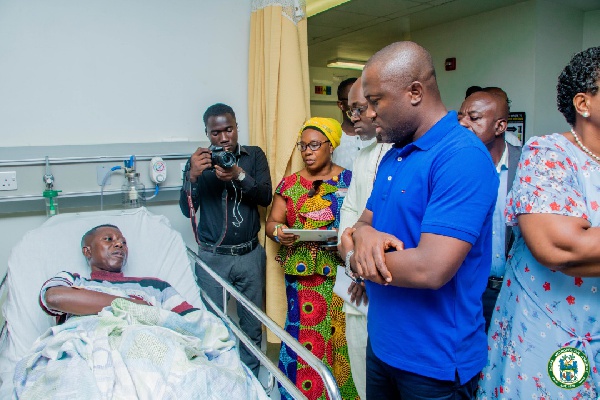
(78, 171)
(324, 372)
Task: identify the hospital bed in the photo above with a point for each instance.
(155, 249)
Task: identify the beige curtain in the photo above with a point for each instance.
(278, 102)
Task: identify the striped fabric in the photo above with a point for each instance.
(153, 291)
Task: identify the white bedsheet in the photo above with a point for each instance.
(155, 250)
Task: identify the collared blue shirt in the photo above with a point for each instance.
(444, 183)
(499, 225)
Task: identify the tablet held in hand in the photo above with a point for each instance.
(312, 235)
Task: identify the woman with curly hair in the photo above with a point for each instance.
(311, 199)
(544, 338)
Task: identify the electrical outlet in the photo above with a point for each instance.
(8, 180)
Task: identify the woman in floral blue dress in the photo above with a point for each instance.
(544, 340)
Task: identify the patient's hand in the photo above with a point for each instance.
(77, 301)
(80, 301)
(138, 300)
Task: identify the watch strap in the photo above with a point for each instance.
(241, 176)
(275, 235)
(348, 269)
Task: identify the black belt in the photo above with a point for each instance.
(232, 250)
(494, 282)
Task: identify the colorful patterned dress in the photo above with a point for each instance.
(315, 317)
(540, 314)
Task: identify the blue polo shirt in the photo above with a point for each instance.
(444, 183)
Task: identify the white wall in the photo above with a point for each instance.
(521, 48)
(591, 29)
(553, 51)
(76, 72)
(492, 49)
(113, 71)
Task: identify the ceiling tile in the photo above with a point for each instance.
(339, 19)
(377, 8)
(315, 32)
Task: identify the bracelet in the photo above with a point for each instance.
(275, 232)
(348, 269)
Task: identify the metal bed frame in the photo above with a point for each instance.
(328, 379)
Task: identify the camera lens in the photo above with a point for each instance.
(227, 159)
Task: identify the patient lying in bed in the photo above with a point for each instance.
(123, 337)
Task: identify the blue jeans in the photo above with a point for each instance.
(387, 382)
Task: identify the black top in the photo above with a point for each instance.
(242, 200)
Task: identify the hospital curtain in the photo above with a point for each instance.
(278, 103)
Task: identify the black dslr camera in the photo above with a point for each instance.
(221, 157)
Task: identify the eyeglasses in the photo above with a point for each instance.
(313, 145)
(315, 187)
(356, 112)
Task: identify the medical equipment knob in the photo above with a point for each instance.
(158, 170)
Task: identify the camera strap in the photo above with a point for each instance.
(192, 210)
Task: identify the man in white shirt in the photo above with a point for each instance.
(363, 176)
(351, 142)
(486, 114)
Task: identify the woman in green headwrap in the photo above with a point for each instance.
(311, 199)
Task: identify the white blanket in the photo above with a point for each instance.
(132, 351)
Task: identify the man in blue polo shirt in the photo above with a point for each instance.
(424, 241)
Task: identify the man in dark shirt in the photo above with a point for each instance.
(228, 200)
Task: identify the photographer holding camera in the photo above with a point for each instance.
(226, 183)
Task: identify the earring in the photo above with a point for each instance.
(585, 114)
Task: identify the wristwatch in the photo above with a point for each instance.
(275, 232)
(349, 271)
(241, 176)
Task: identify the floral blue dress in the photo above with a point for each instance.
(539, 311)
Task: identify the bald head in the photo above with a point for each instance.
(496, 97)
(485, 114)
(498, 92)
(403, 63)
(400, 86)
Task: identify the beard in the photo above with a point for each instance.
(400, 135)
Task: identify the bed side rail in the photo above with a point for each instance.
(3, 330)
(311, 359)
